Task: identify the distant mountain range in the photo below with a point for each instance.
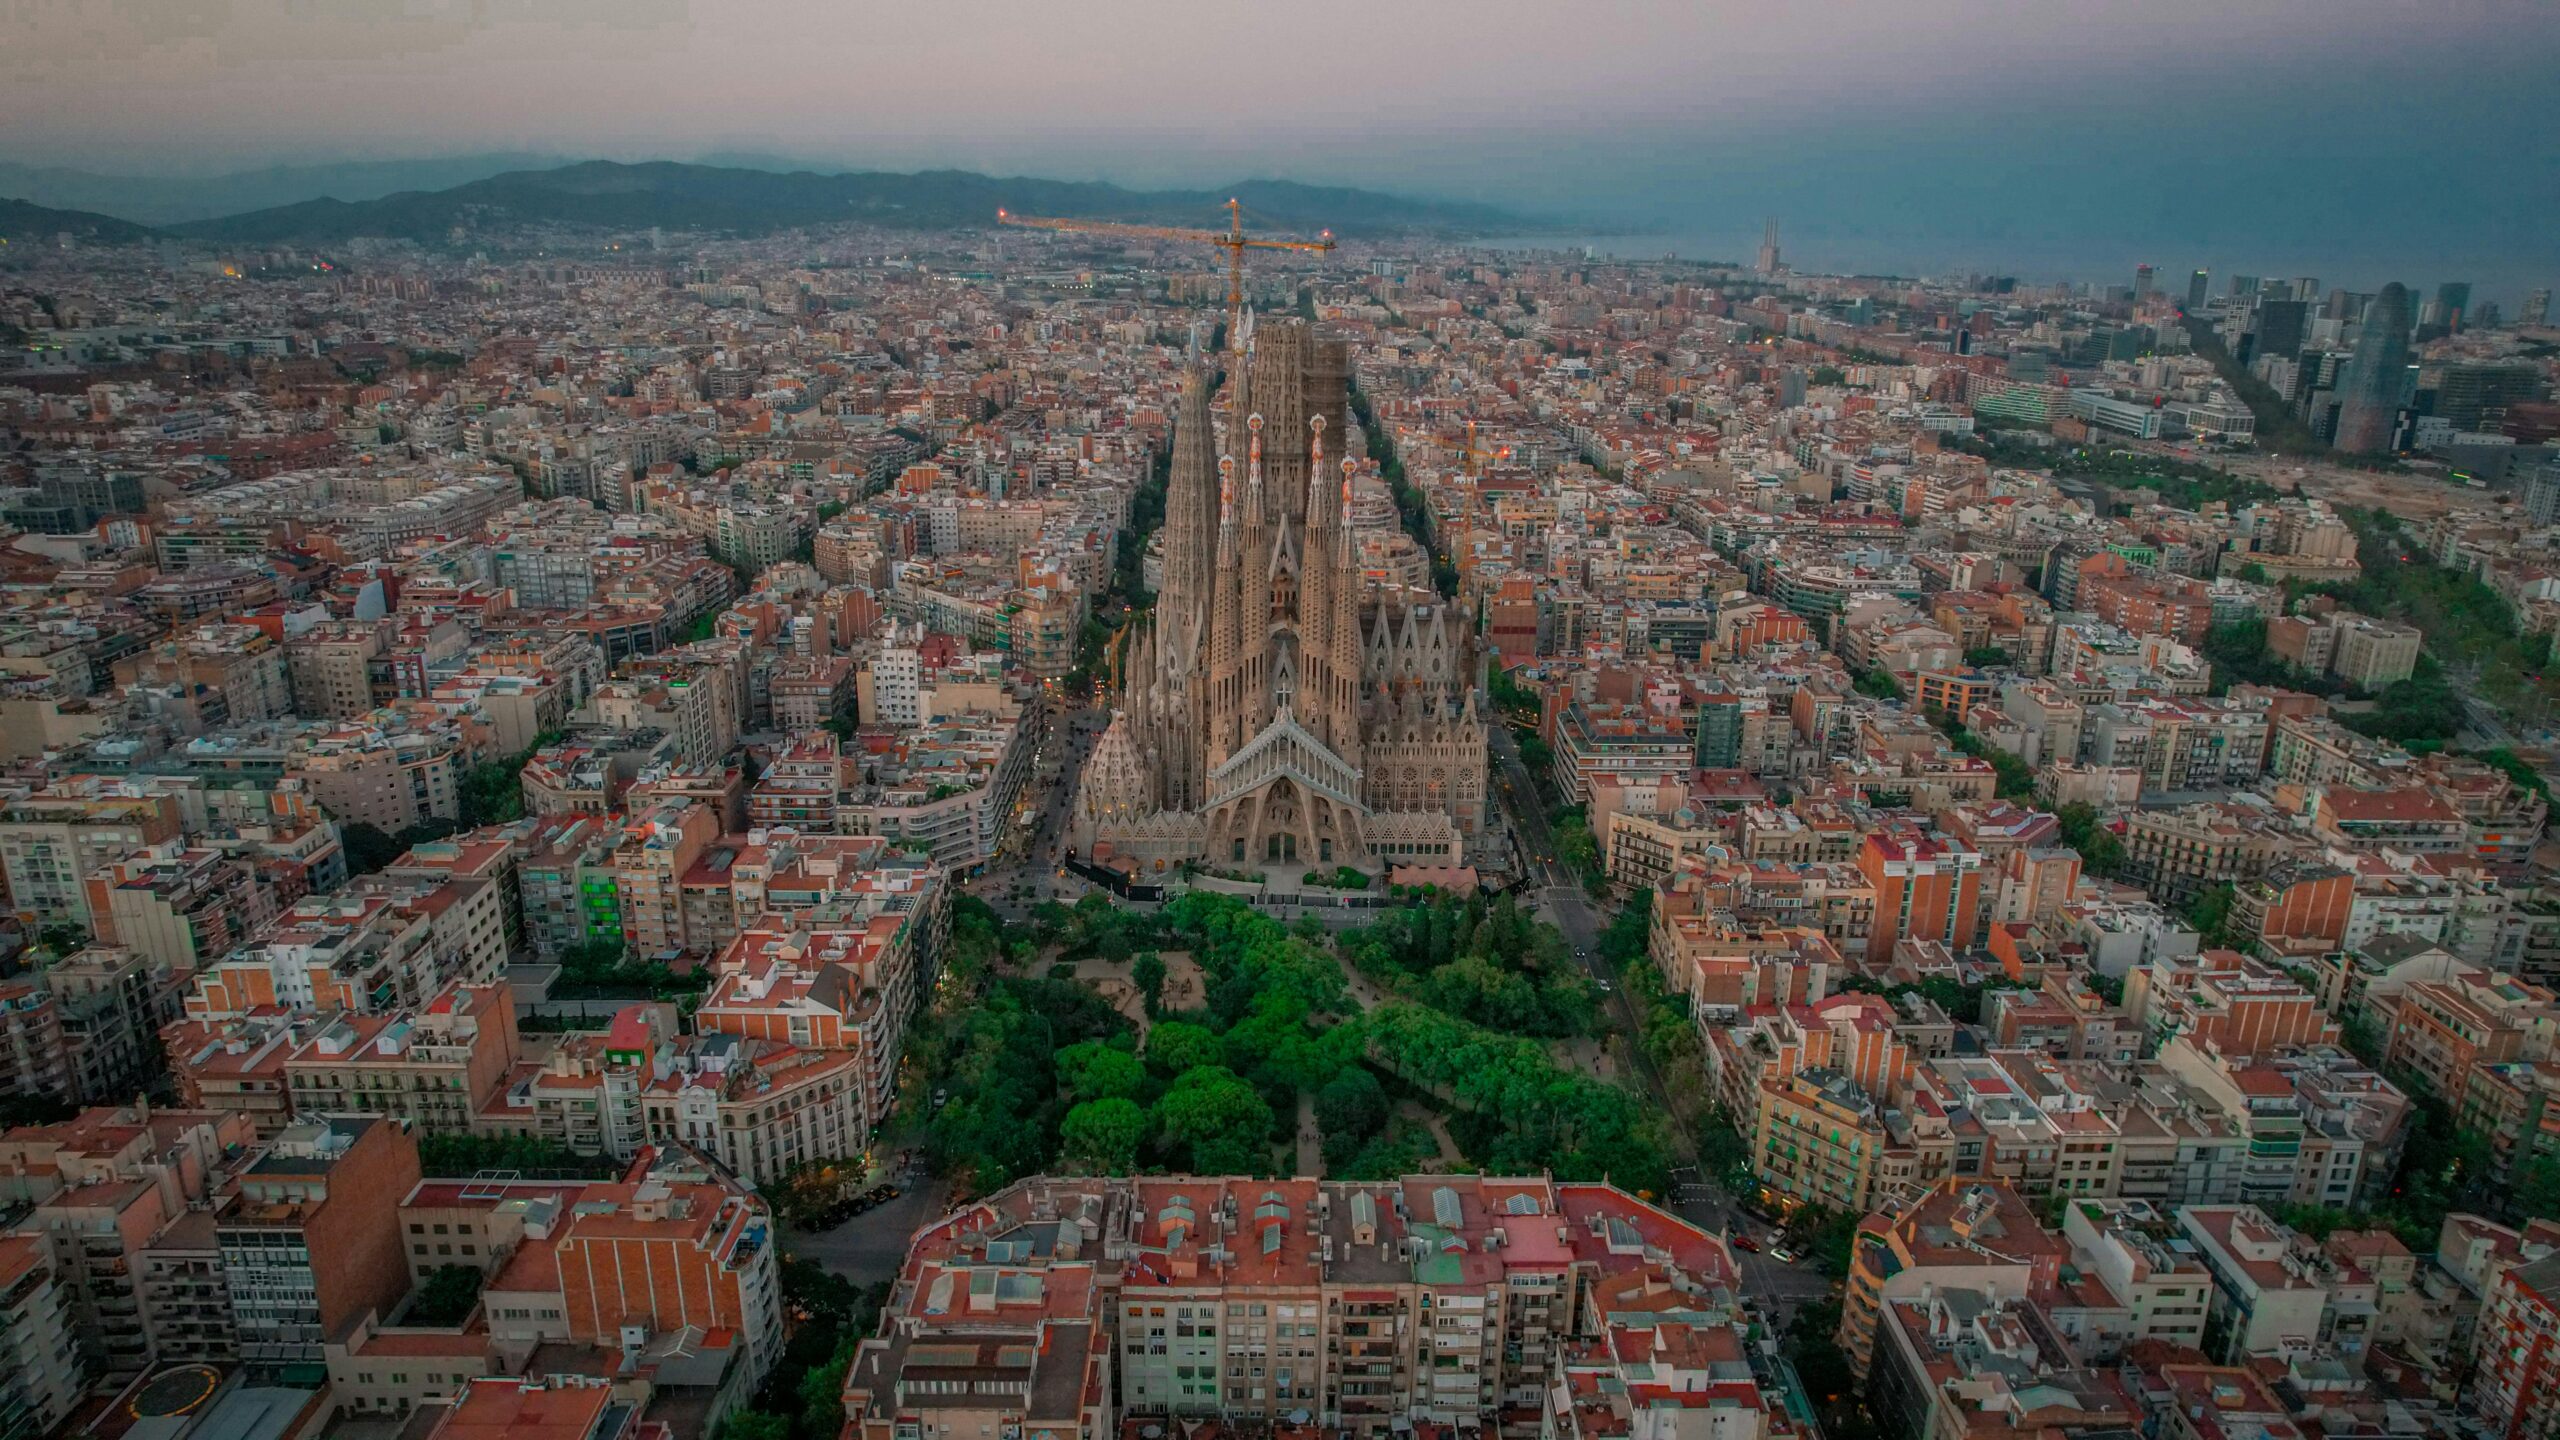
(24, 224)
(174, 200)
(612, 196)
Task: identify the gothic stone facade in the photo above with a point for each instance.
(1274, 710)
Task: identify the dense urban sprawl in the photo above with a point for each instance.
(912, 836)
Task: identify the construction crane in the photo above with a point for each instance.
(1475, 455)
(1233, 240)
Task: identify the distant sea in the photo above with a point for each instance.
(1830, 258)
(2035, 262)
(1619, 247)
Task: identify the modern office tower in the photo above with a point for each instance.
(2244, 286)
(2280, 326)
(2537, 308)
(2143, 278)
(2453, 301)
(2369, 392)
(2197, 285)
(2475, 396)
(2305, 286)
(1769, 248)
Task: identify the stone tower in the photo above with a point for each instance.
(1276, 711)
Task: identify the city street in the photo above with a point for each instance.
(1778, 1287)
(1034, 861)
(869, 1247)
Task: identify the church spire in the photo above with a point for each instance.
(1189, 525)
(1253, 513)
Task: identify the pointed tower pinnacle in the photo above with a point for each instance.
(1253, 512)
(1190, 527)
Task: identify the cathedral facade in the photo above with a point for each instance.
(1274, 710)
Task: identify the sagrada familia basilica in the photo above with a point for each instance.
(1275, 710)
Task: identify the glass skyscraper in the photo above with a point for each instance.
(2369, 392)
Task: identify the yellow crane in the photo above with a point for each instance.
(1233, 240)
(1475, 455)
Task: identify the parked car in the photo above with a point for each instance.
(1745, 1242)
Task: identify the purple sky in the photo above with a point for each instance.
(1024, 84)
(2356, 125)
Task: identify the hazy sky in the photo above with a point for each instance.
(2372, 137)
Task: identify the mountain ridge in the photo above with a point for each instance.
(674, 195)
(24, 222)
(177, 199)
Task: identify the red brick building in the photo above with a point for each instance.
(2145, 602)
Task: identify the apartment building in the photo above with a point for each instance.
(945, 788)
(34, 1058)
(1960, 1362)
(2370, 654)
(310, 1242)
(2225, 1000)
(1818, 1139)
(760, 1107)
(1630, 740)
(823, 980)
(388, 778)
(1369, 1307)
(359, 952)
(809, 692)
(1974, 1234)
(589, 773)
(330, 669)
(2517, 1106)
(2270, 1292)
(657, 849)
(553, 1407)
(2412, 819)
(235, 1064)
(2062, 1017)
(1858, 1036)
(2180, 852)
(676, 1248)
(53, 838)
(1926, 888)
(478, 1221)
(471, 891)
(1642, 849)
(801, 786)
(2296, 908)
(2441, 1030)
(2154, 1288)
(432, 1067)
(568, 883)
(178, 906)
(106, 1191)
(2516, 1388)
(842, 880)
(2145, 602)
(211, 674)
(1651, 1376)
(585, 1096)
(689, 703)
(41, 1378)
(110, 1004)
